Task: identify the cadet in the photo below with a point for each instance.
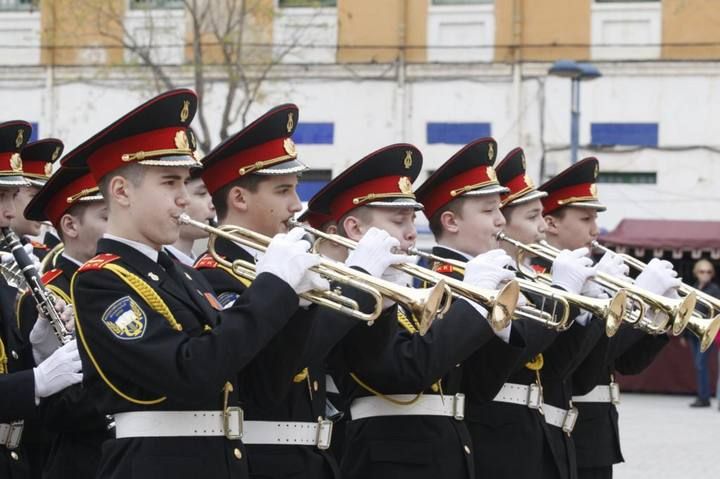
(21, 384)
(160, 352)
(403, 388)
(71, 202)
(253, 177)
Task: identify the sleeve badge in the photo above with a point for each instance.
(228, 299)
(125, 319)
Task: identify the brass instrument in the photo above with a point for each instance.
(50, 259)
(704, 327)
(43, 297)
(609, 309)
(501, 303)
(424, 304)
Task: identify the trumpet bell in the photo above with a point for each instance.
(616, 311)
(504, 305)
(705, 330)
(424, 304)
(684, 313)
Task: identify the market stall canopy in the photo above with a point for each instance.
(675, 235)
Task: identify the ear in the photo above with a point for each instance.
(120, 190)
(552, 225)
(449, 222)
(331, 229)
(353, 228)
(237, 199)
(69, 226)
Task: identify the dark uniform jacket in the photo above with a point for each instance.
(17, 383)
(77, 428)
(286, 380)
(394, 359)
(179, 352)
(596, 434)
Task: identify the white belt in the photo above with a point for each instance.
(317, 434)
(426, 405)
(609, 394)
(520, 394)
(561, 418)
(10, 434)
(180, 423)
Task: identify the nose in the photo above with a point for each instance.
(411, 234)
(183, 198)
(295, 203)
(499, 219)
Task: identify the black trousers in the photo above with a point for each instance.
(603, 472)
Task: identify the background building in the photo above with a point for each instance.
(366, 73)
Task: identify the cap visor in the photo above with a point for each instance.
(487, 190)
(532, 195)
(589, 204)
(174, 160)
(284, 168)
(397, 203)
(11, 181)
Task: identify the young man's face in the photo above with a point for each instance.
(19, 224)
(478, 223)
(200, 208)
(577, 228)
(398, 222)
(269, 208)
(90, 226)
(154, 205)
(7, 205)
(526, 223)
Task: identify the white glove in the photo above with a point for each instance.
(60, 370)
(571, 269)
(593, 290)
(374, 252)
(488, 270)
(311, 281)
(287, 258)
(42, 336)
(658, 277)
(30, 252)
(613, 265)
(398, 277)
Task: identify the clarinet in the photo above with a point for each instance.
(43, 297)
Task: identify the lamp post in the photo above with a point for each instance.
(576, 72)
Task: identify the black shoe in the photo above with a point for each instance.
(700, 403)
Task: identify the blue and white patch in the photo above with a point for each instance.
(228, 299)
(125, 319)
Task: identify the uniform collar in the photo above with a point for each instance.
(71, 259)
(148, 251)
(180, 256)
(447, 251)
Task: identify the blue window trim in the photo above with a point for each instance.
(320, 133)
(453, 133)
(627, 134)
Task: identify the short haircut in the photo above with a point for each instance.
(558, 213)
(363, 213)
(507, 212)
(703, 263)
(220, 197)
(454, 206)
(77, 210)
(133, 172)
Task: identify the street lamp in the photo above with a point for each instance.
(576, 72)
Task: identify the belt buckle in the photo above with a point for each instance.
(324, 434)
(569, 421)
(15, 434)
(533, 396)
(459, 407)
(227, 412)
(614, 393)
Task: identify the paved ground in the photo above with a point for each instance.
(663, 438)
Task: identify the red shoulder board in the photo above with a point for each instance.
(38, 245)
(444, 268)
(206, 261)
(539, 268)
(98, 262)
(51, 275)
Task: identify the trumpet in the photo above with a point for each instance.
(424, 304)
(559, 316)
(705, 328)
(31, 279)
(501, 302)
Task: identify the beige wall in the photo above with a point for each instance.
(68, 23)
(533, 22)
(373, 23)
(690, 21)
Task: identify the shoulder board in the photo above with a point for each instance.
(98, 262)
(538, 268)
(49, 276)
(205, 261)
(38, 245)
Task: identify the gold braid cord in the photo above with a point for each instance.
(3, 358)
(151, 297)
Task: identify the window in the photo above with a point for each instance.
(18, 5)
(311, 182)
(307, 3)
(629, 134)
(314, 134)
(456, 133)
(149, 4)
(636, 178)
(460, 2)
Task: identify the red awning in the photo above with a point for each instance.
(665, 234)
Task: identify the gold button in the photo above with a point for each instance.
(467, 449)
(315, 386)
(14, 455)
(238, 453)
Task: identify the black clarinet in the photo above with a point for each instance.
(44, 299)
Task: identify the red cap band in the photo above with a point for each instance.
(67, 196)
(376, 189)
(443, 193)
(566, 196)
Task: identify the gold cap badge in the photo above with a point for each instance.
(405, 185)
(185, 112)
(289, 146)
(55, 154)
(491, 152)
(19, 138)
(48, 169)
(408, 161)
(290, 122)
(16, 162)
(491, 173)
